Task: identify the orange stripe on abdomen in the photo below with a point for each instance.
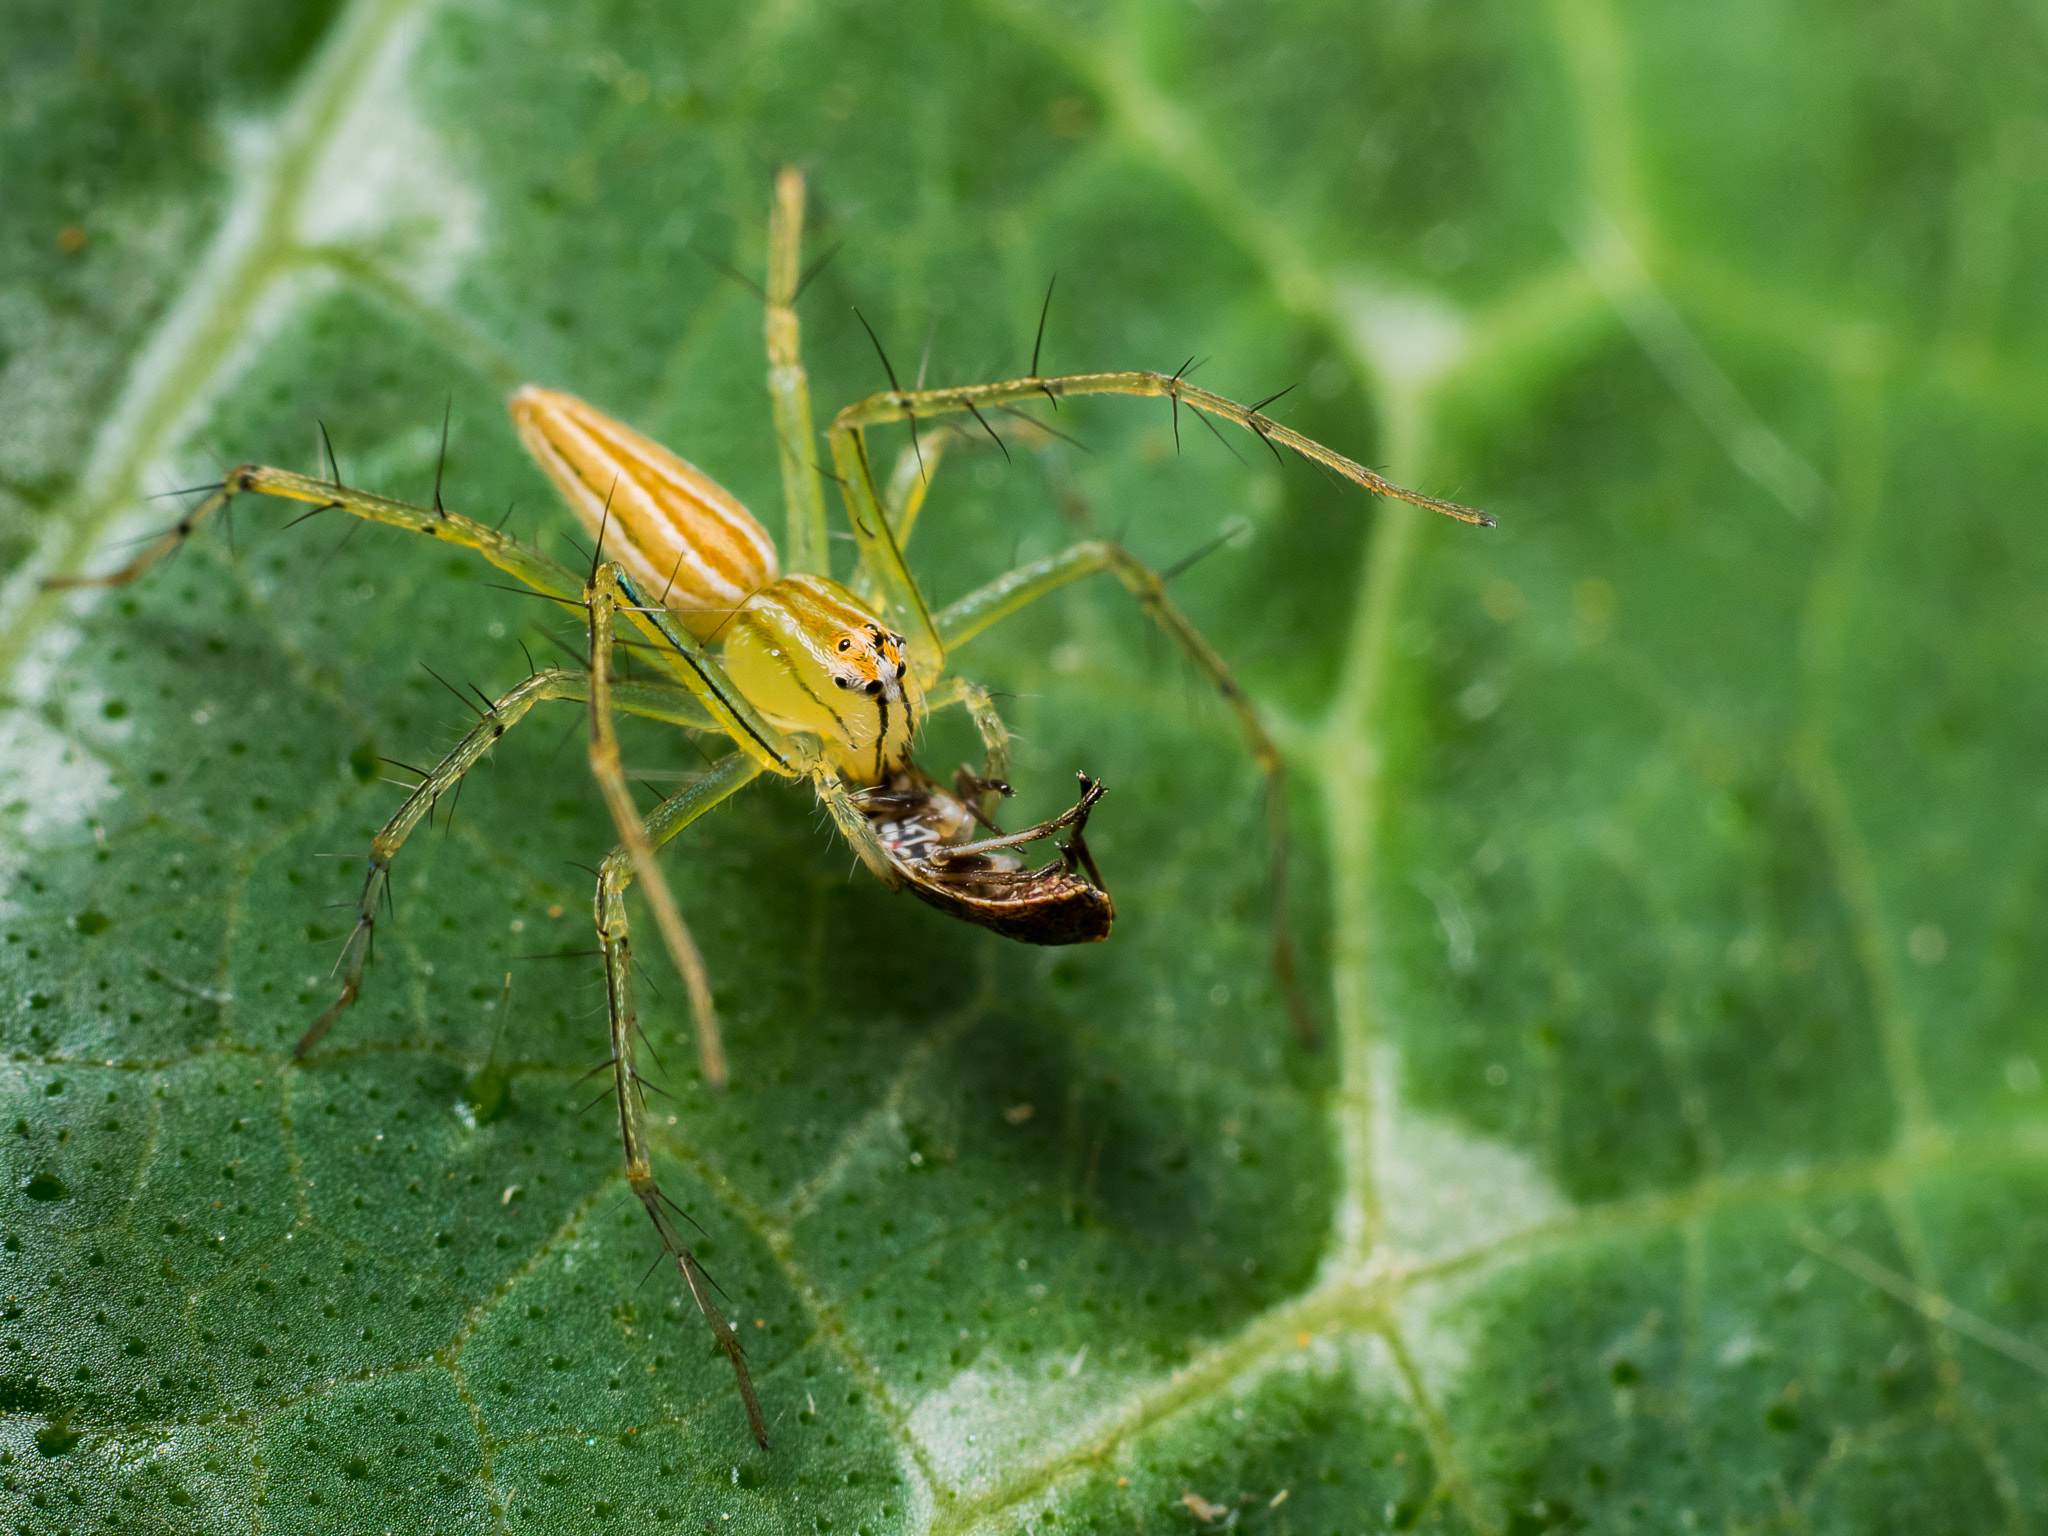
(670, 524)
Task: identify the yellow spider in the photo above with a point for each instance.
(810, 679)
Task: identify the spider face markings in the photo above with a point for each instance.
(814, 659)
(810, 679)
(872, 661)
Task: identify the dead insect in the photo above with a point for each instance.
(812, 680)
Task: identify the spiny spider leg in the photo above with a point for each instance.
(715, 784)
(656, 701)
(502, 550)
(881, 554)
(978, 610)
(909, 482)
(901, 405)
(603, 602)
(880, 540)
(679, 652)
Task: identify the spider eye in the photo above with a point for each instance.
(842, 682)
(872, 686)
(845, 645)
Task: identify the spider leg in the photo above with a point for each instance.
(995, 739)
(881, 548)
(660, 701)
(789, 387)
(902, 405)
(881, 552)
(603, 601)
(715, 784)
(909, 482)
(502, 550)
(1027, 584)
(902, 501)
(853, 825)
(678, 652)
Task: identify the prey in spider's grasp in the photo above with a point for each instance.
(810, 679)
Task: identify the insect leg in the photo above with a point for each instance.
(789, 387)
(1027, 584)
(708, 789)
(660, 701)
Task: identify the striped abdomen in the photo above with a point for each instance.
(673, 527)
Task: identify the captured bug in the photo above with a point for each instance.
(810, 679)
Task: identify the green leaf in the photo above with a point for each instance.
(1665, 857)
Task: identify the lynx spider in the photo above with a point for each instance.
(813, 680)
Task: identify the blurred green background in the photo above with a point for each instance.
(1668, 857)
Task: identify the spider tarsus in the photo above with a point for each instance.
(350, 991)
(701, 1284)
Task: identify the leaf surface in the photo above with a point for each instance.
(1665, 857)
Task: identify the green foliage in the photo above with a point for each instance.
(1676, 1157)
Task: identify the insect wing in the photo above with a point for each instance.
(1054, 905)
(984, 882)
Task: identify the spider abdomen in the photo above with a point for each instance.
(675, 529)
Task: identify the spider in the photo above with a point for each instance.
(810, 679)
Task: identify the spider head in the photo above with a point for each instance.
(812, 657)
(868, 660)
